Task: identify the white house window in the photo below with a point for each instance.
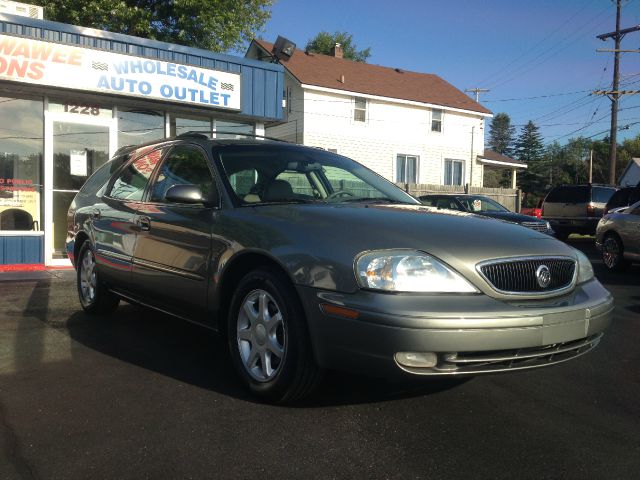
(453, 172)
(436, 120)
(360, 109)
(407, 168)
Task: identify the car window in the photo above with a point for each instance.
(569, 194)
(634, 196)
(132, 181)
(244, 181)
(601, 194)
(284, 174)
(184, 165)
(343, 180)
(101, 176)
(619, 199)
(300, 183)
(429, 201)
(447, 203)
(481, 204)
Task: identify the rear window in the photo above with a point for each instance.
(569, 194)
(601, 194)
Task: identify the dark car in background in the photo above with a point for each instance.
(305, 260)
(618, 237)
(623, 198)
(485, 206)
(576, 208)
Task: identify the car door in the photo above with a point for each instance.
(173, 246)
(114, 218)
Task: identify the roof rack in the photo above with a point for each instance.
(207, 134)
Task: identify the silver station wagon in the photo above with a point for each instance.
(305, 260)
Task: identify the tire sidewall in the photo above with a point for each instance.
(619, 263)
(293, 321)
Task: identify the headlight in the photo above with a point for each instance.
(408, 271)
(585, 269)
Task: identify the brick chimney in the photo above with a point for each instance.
(336, 50)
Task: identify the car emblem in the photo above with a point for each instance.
(543, 276)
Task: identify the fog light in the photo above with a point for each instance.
(417, 359)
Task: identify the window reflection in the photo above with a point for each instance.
(226, 129)
(139, 126)
(184, 124)
(21, 147)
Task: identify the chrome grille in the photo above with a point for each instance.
(538, 226)
(519, 275)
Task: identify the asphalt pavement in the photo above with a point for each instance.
(142, 395)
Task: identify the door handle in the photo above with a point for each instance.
(144, 223)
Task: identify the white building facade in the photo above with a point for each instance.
(404, 140)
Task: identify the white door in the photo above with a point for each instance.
(75, 146)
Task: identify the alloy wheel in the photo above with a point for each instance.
(88, 280)
(611, 252)
(261, 335)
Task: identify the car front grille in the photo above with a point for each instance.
(521, 276)
(538, 226)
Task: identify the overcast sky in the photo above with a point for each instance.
(518, 49)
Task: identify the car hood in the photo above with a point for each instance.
(310, 239)
(511, 217)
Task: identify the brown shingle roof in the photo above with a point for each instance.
(327, 71)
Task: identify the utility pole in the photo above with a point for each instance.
(614, 95)
(477, 91)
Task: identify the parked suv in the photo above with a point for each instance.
(304, 260)
(575, 208)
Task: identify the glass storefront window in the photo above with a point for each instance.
(139, 126)
(183, 124)
(21, 153)
(228, 129)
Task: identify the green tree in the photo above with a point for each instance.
(501, 134)
(530, 150)
(216, 25)
(323, 42)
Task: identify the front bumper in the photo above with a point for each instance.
(471, 334)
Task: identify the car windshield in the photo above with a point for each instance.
(269, 174)
(477, 203)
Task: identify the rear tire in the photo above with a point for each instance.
(94, 296)
(613, 253)
(268, 339)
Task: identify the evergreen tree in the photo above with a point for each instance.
(530, 150)
(501, 134)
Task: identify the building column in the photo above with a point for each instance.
(514, 176)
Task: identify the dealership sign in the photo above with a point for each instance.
(45, 63)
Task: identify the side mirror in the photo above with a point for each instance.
(190, 195)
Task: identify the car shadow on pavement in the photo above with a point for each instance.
(197, 356)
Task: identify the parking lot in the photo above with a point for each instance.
(143, 395)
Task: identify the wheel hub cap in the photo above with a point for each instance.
(261, 335)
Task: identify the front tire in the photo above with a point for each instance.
(613, 253)
(95, 298)
(268, 338)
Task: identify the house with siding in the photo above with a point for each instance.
(409, 127)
